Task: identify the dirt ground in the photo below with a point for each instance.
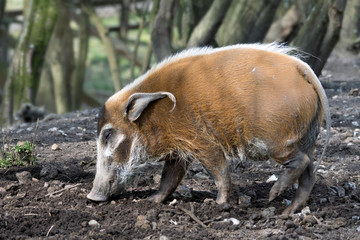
(52, 204)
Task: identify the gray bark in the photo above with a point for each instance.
(247, 21)
(79, 76)
(161, 31)
(61, 59)
(350, 31)
(321, 32)
(206, 29)
(24, 73)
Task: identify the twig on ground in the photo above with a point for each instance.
(192, 215)
(318, 221)
(31, 214)
(62, 190)
(48, 232)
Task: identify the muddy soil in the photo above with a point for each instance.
(52, 204)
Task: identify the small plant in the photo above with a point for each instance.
(23, 154)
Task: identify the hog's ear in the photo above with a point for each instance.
(139, 101)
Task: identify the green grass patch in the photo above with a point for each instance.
(23, 154)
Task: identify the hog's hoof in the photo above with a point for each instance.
(226, 207)
(96, 197)
(276, 190)
(292, 208)
(157, 198)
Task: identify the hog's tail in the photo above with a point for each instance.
(310, 76)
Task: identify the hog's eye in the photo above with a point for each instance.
(107, 135)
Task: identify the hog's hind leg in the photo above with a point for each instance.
(306, 184)
(173, 172)
(299, 167)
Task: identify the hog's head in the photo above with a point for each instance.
(120, 151)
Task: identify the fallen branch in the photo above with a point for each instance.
(192, 215)
(62, 190)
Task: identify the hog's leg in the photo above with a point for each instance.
(218, 168)
(306, 184)
(173, 172)
(295, 168)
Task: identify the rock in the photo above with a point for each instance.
(225, 207)
(309, 219)
(255, 216)
(34, 179)
(55, 147)
(54, 129)
(49, 171)
(305, 211)
(163, 238)
(12, 186)
(2, 190)
(173, 202)
(340, 191)
(209, 200)
(200, 176)
(142, 222)
(249, 225)
(323, 200)
(268, 212)
(244, 200)
(234, 221)
(350, 186)
(355, 123)
(153, 226)
(184, 191)
(221, 225)
(354, 92)
(272, 178)
(23, 177)
(339, 222)
(287, 202)
(289, 224)
(93, 223)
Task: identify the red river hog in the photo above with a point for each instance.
(215, 106)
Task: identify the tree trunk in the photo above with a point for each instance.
(124, 19)
(24, 73)
(3, 47)
(137, 42)
(161, 31)
(45, 95)
(184, 21)
(109, 48)
(61, 59)
(79, 76)
(206, 29)
(247, 21)
(351, 24)
(147, 60)
(321, 32)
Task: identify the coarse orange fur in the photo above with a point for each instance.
(227, 99)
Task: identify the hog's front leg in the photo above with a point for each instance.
(173, 172)
(216, 164)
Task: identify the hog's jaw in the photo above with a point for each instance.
(112, 176)
(106, 181)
